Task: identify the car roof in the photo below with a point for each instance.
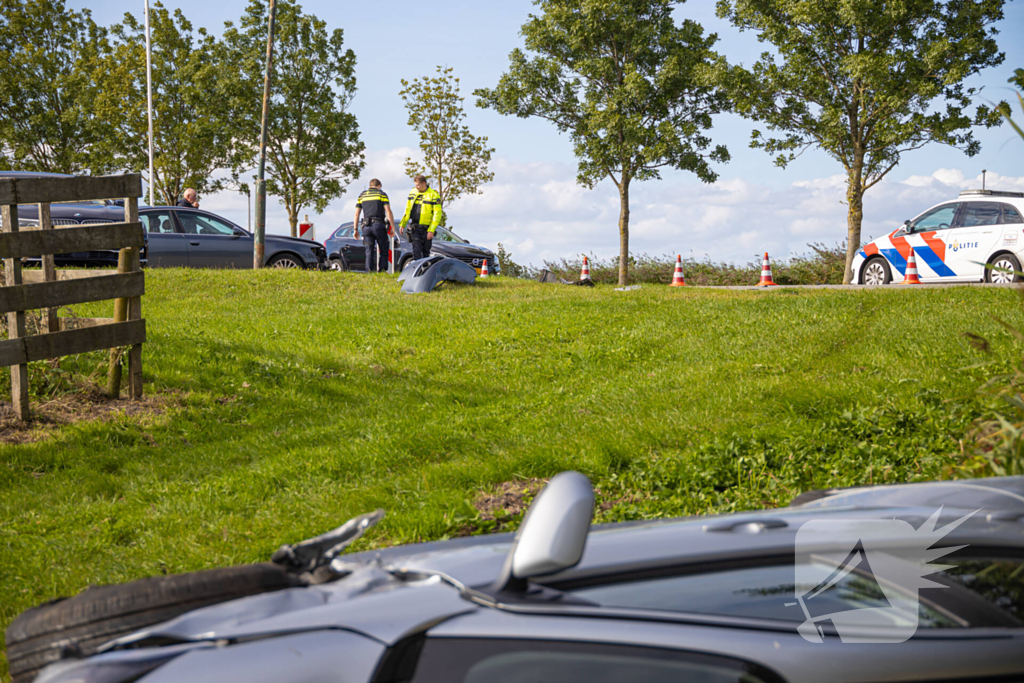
(998, 519)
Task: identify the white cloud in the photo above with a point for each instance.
(539, 212)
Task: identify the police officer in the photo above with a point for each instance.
(374, 205)
(422, 215)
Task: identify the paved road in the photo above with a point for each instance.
(892, 287)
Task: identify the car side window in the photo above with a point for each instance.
(939, 218)
(1010, 214)
(157, 222)
(980, 213)
(201, 224)
(483, 660)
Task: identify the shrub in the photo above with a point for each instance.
(823, 266)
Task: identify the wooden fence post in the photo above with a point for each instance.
(50, 321)
(131, 215)
(16, 320)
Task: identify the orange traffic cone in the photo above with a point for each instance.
(766, 273)
(677, 277)
(483, 270)
(585, 272)
(911, 278)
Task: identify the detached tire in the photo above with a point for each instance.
(77, 626)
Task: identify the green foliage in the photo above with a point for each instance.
(47, 121)
(455, 159)
(1004, 109)
(822, 266)
(313, 144)
(995, 445)
(625, 82)
(190, 136)
(863, 80)
(509, 267)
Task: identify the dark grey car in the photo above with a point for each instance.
(180, 237)
(704, 599)
(348, 253)
(200, 239)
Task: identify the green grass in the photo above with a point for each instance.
(673, 401)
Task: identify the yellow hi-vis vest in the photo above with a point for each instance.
(423, 208)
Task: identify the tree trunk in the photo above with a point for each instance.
(624, 230)
(854, 218)
(293, 219)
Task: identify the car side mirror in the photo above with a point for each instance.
(908, 227)
(238, 232)
(553, 533)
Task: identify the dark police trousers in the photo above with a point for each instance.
(420, 243)
(376, 234)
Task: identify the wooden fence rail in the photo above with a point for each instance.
(49, 289)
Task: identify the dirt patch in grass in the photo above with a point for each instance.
(508, 499)
(48, 416)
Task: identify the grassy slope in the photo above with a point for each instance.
(677, 401)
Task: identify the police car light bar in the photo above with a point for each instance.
(993, 193)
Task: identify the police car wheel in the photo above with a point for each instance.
(1005, 269)
(876, 272)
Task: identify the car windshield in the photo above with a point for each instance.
(447, 235)
(977, 593)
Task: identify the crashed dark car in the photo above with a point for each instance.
(345, 252)
(715, 599)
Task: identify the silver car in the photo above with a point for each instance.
(710, 599)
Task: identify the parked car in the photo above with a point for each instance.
(711, 599)
(345, 252)
(175, 237)
(979, 237)
(180, 237)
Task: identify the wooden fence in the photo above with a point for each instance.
(49, 289)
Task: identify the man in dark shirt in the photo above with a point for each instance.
(189, 199)
(374, 205)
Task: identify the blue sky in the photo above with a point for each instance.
(533, 205)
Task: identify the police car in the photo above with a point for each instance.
(979, 237)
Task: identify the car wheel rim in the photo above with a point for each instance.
(874, 274)
(1002, 271)
(336, 265)
(286, 263)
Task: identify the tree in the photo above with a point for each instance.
(46, 118)
(625, 82)
(190, 138)
(452, 156)
(313, 145)
(864, 80)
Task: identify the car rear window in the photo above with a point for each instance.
(978, 593)
(1011, 215)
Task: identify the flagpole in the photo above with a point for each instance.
(149, 107)
(259, 237)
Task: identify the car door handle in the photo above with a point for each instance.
(194, 244)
